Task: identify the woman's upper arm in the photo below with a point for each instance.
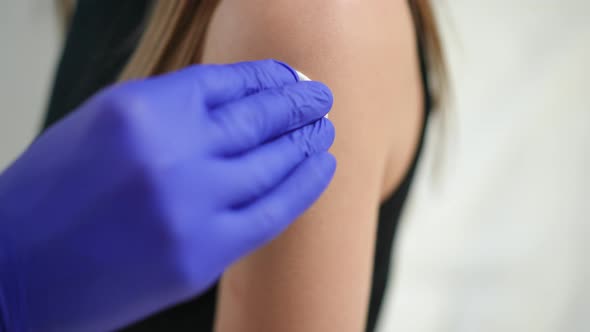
(316, 276)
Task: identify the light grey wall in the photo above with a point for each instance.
(30, 38)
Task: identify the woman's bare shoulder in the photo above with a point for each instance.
(365, 51)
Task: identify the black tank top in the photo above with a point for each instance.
(102, 36)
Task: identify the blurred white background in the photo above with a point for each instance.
(497, 233)
(495, 237)
(30, 35)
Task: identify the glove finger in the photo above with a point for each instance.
(262, 169)
(208, 86)
(243, 125)
(220, 84)
(264, 219)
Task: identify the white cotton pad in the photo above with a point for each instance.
(302, 77)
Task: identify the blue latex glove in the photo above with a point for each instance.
(142, 197)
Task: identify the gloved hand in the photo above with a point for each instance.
(143, 196)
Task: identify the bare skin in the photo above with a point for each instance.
(316, 277)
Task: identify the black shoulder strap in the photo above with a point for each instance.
(102, 36)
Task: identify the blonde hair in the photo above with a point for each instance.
(65, 10)
(173, 39)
